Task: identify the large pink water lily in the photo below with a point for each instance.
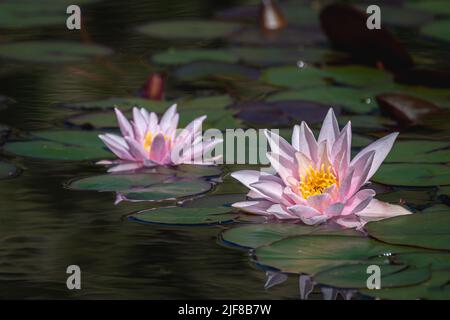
(316, 181)
(147, 142)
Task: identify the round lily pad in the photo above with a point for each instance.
(51, 51)
(174, 57)
(185, 216)
(427, 230)
(314, 253)
(60, 145)
(419, 175)
(7, 170)
(351, 99)
(168, 191)
(266, 56)
(355, 276)
(358, 76)
(439, 30)
(257, 235)
(424, 151)
(294, 77)
(189, 29)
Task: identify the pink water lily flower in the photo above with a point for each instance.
(147, 142)
(316, 181)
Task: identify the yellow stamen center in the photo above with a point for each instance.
(148, 140)
(314, 182)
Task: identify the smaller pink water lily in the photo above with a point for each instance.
(147, 142)
(316, 181)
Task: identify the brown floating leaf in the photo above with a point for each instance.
(405, 109)
(271, 18)
(346, 28)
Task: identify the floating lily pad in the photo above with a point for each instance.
(436, 288)
(143, 179)
(174, 57)
(7, 170)
(423, 151)
(60, 145)
(214, 70)
(189, 29)
(294, 77)
(420, 175)
(358, 76)
(427, 230)
(439, 7)
(257, 235)
(168, 191)
(434, 260)
(313, 253)
(415, 197)
(355, 276)
(353, 100)
(185, 216)
(439, 30)
(51, 51)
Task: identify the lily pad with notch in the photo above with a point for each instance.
(180, 216)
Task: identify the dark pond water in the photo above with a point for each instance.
(45, 227)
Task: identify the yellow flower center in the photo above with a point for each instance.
(314, 182)
(148, 140)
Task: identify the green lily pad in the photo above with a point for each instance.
(257, 235)
(427, 230)
(358, 76)
(185, 216)
(51, 51)
(144, 179)
(355, 276)
(424, 151)
(409, 197)
(68, 145)
(175, 57)
(419, 175)
(353, 100)
(19, 15)
(7, 170)
(439, 30)
(168, 191)
(197, 71)
(294, 77)
(438, 7)
(314, 253)
(436, 261)
(189, 29)
(436, 288)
